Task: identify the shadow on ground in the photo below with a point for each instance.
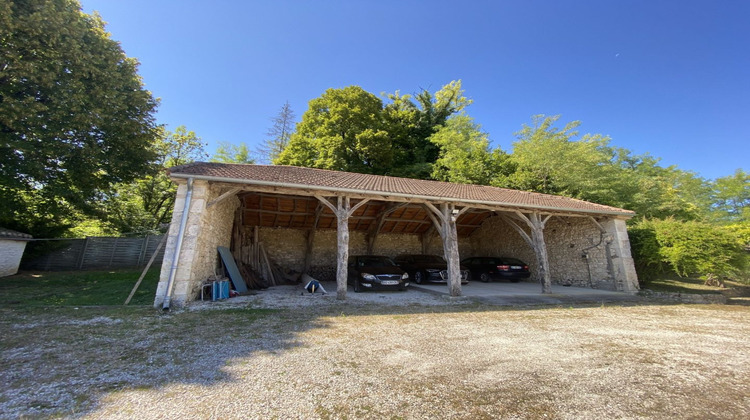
(68, 361)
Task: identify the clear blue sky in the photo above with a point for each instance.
(671, 78)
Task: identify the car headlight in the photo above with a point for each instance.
(405, 276)
(368, 276)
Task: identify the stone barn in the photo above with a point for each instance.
(309, 220)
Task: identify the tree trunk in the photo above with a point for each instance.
(540, 250)
(343, 211)
(450, 246)
(445, 222)
(342, 270)
(536, 241)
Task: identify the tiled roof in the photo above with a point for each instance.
(294, 176)
(12, 234)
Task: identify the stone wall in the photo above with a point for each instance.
(580, 253)
(286, 247)
(568, 239)
(620, 256)
(206, 229)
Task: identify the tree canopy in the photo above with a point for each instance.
(74, 115)
(232, 153)
(145, 204)
(350, 129)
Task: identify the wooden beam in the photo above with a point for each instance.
(445, 223)
(343, 210)
(536, 223)
(223, 197)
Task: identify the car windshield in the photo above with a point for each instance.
(375, 262)
(428, 259)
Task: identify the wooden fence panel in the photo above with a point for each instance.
(90, 253)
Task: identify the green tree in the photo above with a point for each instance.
(351, 129)
(464, 153)
(145, 205)
(560, 161)
(338, 132)
(688, 247)
(74, 116)
(411, 124)
(279, 135)
(232, 153)
(732, 196)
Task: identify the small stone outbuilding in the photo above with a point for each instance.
(309, 220)
(12, 245)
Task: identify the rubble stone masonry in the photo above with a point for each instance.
(580, 253)
(206, 229)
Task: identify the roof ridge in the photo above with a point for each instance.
(387, 184)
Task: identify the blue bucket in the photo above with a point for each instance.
(220, 290)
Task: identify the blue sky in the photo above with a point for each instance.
(671, 78)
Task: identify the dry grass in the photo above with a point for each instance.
(374, 361)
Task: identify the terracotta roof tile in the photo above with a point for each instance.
(364, 183)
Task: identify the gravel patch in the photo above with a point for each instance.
(279, 354)
(289, 296)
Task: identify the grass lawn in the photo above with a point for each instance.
(677, 284)
(78, 288)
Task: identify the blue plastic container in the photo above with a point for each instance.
(220, 290)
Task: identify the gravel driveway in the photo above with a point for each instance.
(377, 355)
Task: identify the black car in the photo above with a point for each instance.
(428, 268)
(376, 272)
(495, 268)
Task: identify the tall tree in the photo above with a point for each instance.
(74, 116)
(465, 155)
(558, 161)
(279, 135)
(232, 153)
(351, 129)
(732, 196)
(145, 205)
(342, 130)
(410, 125)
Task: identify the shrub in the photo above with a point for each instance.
(687, 248)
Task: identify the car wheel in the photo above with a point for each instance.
(484, 277)
(357, 287)
(418, 277)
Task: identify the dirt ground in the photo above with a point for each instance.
(380, 356)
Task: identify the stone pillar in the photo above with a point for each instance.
(625, 277)
(205, 230)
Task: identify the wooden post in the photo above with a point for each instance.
(536, 223)
(256, 250)
(343, 211)
(445, 222)
(82, 258)
(145, 270)
(342, 239)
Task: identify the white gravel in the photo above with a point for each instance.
(288, 296)
(378, 355)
